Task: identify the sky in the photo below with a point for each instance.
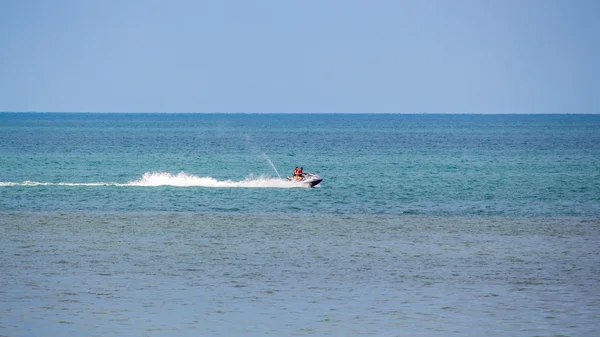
(422, 56)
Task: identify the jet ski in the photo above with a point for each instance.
(310, 179)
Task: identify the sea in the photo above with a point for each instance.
(164, 224)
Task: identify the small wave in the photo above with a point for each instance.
(181, 179)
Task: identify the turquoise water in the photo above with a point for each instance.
(180, 224)
(375, 164)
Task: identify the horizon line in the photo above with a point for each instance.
(303, 113)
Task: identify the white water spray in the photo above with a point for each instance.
(270, 162)
(180, 179)
(256, 148)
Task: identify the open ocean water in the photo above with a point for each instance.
(184, 225)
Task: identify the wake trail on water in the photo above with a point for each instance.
(181, 179)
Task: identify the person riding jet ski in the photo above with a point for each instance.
(298, 173)
(310, 179)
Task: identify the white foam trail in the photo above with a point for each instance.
(37, 183)
(181, 179)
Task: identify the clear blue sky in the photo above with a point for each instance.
(481, 56)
